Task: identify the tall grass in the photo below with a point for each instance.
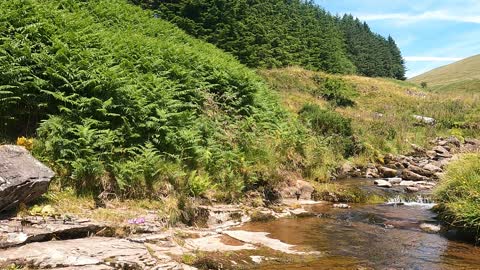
(459, 194)
(382, 115)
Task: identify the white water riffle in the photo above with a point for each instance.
(418, 200)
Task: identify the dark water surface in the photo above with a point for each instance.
(371, 237)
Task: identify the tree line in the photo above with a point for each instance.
(279, 33)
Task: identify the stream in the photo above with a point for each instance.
(378, 236)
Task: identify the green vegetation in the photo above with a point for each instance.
(123, 104)
(381, 119)
(277, 33)
(336, 91)
(372, 54)
(330, 126)
(462, 76)
(459, 194)
(127, 103)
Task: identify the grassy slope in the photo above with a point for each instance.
(124, 97)
(397, 101)
(463, 75)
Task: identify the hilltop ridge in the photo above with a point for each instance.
(461, 75)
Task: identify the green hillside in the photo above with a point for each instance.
(120, 101)
(463, 76)
(278, 33)
(382, 109)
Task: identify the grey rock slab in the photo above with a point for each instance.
(214, 244)
(407, 183)
(22, 177)
(15, 234)
(409, 175)
(85, 252)
(425, 119)
(441, 151)
(394, 180)
(432, 168)
(342, 205)
(420, 171)
(383, 183)
(430, 228)
(261, 238)
(412, 189)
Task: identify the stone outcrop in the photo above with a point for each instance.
(387, 172)
(21, 231)
(67, 242)
(297, 188)
(417, 171)
(22, 177)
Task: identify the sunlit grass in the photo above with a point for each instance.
(459, 193)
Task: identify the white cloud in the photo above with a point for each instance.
(431, 59)
(441, 15)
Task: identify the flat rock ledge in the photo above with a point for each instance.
(57, 243)
(91, 253)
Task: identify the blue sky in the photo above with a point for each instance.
(429, 33)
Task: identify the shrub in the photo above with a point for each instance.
(198, 184)
(336, 129)
(325, 122)
(335, 90)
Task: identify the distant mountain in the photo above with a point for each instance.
(463, 75)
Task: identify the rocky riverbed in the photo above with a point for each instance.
(74, 243)
(418, 171)
(250, 236)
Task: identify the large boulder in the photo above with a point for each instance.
(22, 177)
(295, 187)
(409, 175)
(432, 168)
(420, 171)
(387, 172)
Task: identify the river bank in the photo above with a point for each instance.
(295, 234)
(288, 234)
(49, 241)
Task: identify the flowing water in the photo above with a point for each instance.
(382, 236)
